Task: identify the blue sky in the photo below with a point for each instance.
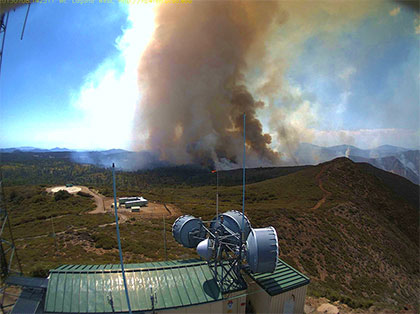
(381, 57)
(43, 74)
(74, 74)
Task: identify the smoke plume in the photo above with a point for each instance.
(210, 62)
(192, 82)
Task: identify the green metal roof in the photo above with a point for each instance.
(283, 279)
(88, 288)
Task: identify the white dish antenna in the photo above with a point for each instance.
(262, 250)
(188, 231)
(229, 243)
(221, 240)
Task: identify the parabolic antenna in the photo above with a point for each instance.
(188, 231)
(205, 249)
(221, 242)
(232, 223)
(262, 250)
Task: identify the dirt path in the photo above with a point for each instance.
(105, 205)
(121, 219)
(99, 201)
(326, 193)
(99, 198)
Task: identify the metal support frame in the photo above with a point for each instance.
(9, 258)
(227, 273)
(8, 255)
(227, 262)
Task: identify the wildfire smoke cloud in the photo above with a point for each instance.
(191, 78)
(209, 62)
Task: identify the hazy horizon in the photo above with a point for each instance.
(118, 148)
(107, 77)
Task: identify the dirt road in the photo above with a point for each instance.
(99, 201)
(105, 205)
(326, 193)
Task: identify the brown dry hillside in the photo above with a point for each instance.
(352, 228)
(358, 241)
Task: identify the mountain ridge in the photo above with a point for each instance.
(351, 227)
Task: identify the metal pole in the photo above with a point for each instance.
(53, 234)
(243, 191)
(3, 211)
(4, 266)
(152, 299)
(217, 194)
(24, 23)
(118, 238)
(4, 28)
(164, 238)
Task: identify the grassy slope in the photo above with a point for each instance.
(360, 246)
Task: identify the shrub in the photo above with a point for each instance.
(61, 195)
(40, 271)
(84, 194)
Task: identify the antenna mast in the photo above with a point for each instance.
(118, 238)
(243, 189)
(8, 251)
(221, 242)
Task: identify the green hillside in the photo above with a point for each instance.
(352, 228)
(26, 168)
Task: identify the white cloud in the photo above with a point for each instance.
(347, 73)
(107, 99)
(368, 138)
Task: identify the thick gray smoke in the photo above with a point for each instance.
(211, 61)
(192, 82)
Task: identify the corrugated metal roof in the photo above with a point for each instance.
(283, 279)
(88, 288)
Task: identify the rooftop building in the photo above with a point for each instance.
(179, 286)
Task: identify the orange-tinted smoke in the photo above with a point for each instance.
(191, 81)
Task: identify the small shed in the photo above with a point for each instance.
(122, 200)
(138, 202)
(282, 291)
(135, 209)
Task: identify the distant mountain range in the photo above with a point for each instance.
(351, 227)
(402, 161)
(56, 149)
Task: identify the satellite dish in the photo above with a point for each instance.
(262, 250)
(205, 249)
(221, 242)
(232, 220)
(188, 231)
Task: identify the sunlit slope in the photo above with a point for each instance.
(350, 227)
(361, 242)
